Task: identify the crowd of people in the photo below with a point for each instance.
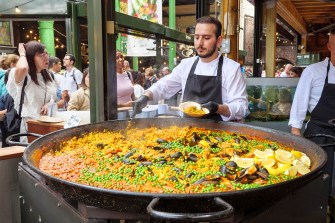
(195, 79)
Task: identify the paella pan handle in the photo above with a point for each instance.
(9, 139)
(192, 217)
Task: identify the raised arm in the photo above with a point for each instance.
(22, 65)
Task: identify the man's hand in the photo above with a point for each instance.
(211, 106)
(139, 104)
(296, 131)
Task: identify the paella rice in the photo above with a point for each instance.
(173, 160)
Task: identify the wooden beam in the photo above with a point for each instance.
(182, 10)
(271, 25)
(289, 13)
(230, 12)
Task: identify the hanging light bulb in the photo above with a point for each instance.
(17, 10)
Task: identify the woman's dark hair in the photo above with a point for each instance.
(297, 70)
(32, 48)
(85, 73)
(138, 77)
(211, 20)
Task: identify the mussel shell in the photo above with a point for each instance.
(141, 158)
(128, 154)
(215, 182)
(244, 138)
(189, 175)
(199, 181)
(145, 163)
(128, 161)
(174, 178)
(178, 170)
(176, 155)
(158, 148)
(223, 170)
(192, 157)
(231, 165)
(100, 145)
(160, 140)
(162, 162)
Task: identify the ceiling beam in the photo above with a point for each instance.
(289, 13)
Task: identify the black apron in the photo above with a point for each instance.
(203, 89)
(323, 112)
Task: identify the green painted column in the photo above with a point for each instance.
(75, 36)
(135, 63)
(47, 37)
(172, 25)
(118, 40)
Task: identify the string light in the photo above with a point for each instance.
(17, 10)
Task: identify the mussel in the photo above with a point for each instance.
(192, 157)
(160, 140)
(128, 154)
(176, 155)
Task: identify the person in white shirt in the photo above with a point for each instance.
(286, 71)
(315, 93)
(31, 72)
(139, 80)
(210, 79)
(55, 67)
(72, 75)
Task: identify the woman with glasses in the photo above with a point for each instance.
(39, 87)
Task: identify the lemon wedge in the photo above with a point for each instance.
(303, 169)
(292, 171)
(296, 154)
(268, 162)
(283, 156)
(260, 154)
(244, 162)
(269, 153)
(305, 160)
(276, 171)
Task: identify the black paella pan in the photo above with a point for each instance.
(191, 207)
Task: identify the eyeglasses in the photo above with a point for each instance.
(66, 59)
(45, 54)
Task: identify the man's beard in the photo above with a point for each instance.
(209, 53)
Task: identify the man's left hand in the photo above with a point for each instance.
(211, 106)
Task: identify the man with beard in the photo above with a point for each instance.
(209, 78)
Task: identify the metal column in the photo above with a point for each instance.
(172, 25)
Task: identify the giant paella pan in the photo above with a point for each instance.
(192, 205)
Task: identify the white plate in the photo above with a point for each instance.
(44, 118)
(186, 104)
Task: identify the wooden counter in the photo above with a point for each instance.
(11, 152)
(42, 128)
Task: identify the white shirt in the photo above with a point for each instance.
(35, 96)
(309, 91)
(233, 84)
(138, 90)
(283, 74)
(61, 81)
(71, 84)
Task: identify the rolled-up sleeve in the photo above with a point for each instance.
(234, 93)
(171, 84)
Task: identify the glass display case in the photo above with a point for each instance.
(270, 101)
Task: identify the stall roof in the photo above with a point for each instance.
(33, 7)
